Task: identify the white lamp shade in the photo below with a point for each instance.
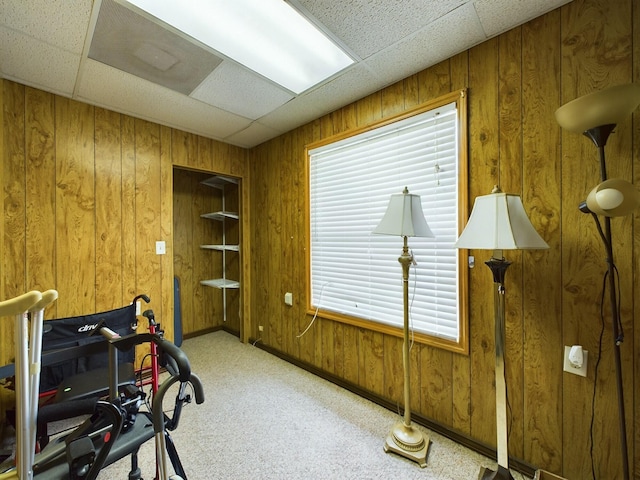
(404, 217)
(613, 198)
(498, 222)
(604, 107)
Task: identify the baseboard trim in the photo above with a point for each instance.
(464, 440)
(211, 330)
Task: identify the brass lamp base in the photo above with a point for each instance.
(500, 474)
(408, 442)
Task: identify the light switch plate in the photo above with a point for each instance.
(288, 298)
(161, 248)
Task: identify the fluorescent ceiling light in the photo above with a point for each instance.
(267, 36)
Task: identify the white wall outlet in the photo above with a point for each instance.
(260, 328)
(161, 248)
(571, 368)
(138, 308)
(288, 298)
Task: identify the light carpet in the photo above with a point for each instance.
(264, 418)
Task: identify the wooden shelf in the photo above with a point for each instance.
(220, 283)
(219, 181)
(222, 248)
(220, 215)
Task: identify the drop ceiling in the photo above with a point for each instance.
(103, 53)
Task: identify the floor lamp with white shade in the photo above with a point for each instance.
(404, 218)
(499, 222)
(596, 115)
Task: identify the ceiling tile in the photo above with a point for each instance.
(355, 83)
(442, 39)
(254, 134)
(62, 23)
(237, 90)
(48, 68)
(292, 114)
(498, 16)
(140, 98)
(355, 22)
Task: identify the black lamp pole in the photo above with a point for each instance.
(599, 136)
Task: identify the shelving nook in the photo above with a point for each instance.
(225, 217)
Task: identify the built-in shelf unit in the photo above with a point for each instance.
(223, 217)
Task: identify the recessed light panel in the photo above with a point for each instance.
(127, 40)
(267, 36)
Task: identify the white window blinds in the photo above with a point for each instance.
(356, 273)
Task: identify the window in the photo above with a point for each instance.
(355, 275)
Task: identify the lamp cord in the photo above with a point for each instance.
(595, 376)
(617, 279)
(600, 341)
(413, 296)
(315, 315)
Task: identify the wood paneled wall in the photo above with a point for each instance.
(515, 83)
(87, 193)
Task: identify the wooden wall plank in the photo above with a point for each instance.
(369, 109)
(305, 135)
(484, 168)
(40, 185)
(147, 209)
(14, 219)
(206, 302)
(371, 360)
(542, 326)
(167, 318)
(273, 211)
(510, 153)
(259, 288)
(351, 354)
(128, 230)
(183, 245)
(435, 397)
(108, 180)
(461, 364)
(634, 438)
(393, 372)
(75, 208)
(392, 98)
(435, 81)
(205, 154)
(289, 259)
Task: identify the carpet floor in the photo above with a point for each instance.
(264, 418)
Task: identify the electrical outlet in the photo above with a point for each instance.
(260, 328)
(138, 308)
(288, 298)
(568, 367)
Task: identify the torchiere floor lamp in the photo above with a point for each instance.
(498, 222)
(596, 115)
(404, 218)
